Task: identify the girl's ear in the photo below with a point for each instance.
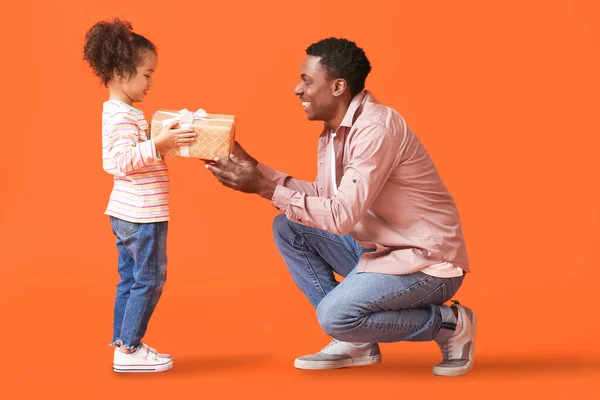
(117, 76)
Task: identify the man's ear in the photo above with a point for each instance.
(339, 87)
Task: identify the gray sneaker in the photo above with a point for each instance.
(338, 354)
(458, 349)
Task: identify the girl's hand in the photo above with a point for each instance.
(169, 137)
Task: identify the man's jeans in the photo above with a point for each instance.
(143, 271)
(365, 307)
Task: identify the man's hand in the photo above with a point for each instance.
(240, 153)
(242, 175)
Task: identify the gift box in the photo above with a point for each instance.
(214, 133)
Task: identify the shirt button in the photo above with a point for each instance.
(353, 180)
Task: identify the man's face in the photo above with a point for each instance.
(316, 90)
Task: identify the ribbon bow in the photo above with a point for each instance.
(185, 118)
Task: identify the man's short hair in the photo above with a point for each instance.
(343, 59)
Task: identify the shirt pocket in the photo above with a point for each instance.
(123, 229)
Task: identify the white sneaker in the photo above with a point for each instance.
(144, 359)
(338, 354)
(150, 349)
(458, 350)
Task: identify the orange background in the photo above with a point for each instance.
(504, 94)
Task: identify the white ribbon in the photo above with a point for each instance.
(186, 119)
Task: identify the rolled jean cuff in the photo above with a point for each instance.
(119, 343)
(448, 324)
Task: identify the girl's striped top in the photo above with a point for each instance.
(141, 180)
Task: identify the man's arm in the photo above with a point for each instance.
(373, 158)
(283, 179)
(280, 178)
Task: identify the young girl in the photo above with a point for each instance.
(138, 206)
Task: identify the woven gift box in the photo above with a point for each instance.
(214, 133)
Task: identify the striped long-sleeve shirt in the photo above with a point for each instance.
(141, 180)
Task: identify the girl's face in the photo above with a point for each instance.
(137, 87)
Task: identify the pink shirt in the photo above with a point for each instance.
(387, 195)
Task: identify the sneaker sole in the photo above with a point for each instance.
(345, 363)
(446, 371)
(142, 368)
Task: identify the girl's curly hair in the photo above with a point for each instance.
(112, 46)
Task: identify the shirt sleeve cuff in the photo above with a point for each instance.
(281, 197)
(155, 152)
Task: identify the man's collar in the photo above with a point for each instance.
(358, 100)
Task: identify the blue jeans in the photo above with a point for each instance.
(364, 307)
(143, 270)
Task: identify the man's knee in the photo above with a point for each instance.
(281, 226)
(287, 233)
(339, 320)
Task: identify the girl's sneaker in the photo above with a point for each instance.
(150, 349)
(144, 359)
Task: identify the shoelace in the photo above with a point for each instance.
(333, 342)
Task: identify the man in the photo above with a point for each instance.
(377, 214)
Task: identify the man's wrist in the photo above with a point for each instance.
(267, 189)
